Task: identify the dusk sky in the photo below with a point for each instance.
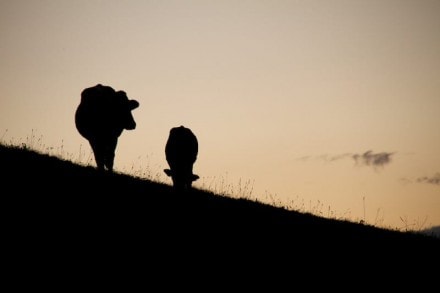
(329, 106)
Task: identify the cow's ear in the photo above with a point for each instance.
(133, 104)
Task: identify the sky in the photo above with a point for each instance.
(323, 106)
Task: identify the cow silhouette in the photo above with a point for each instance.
(181, 153)
(101, 116)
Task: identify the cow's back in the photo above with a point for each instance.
(181, 146)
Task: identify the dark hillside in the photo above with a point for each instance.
(54, 203)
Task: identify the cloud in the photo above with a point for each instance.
(405, 180)
(431, 180)
(368, 158)
(371, 159)
(304, 159)
(333, 158)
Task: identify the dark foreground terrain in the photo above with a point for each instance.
(57, 212)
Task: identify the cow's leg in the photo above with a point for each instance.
(188, 175)
(178, 183)
(110, 149)
(98, 152)
(178, 178)
(188, 182)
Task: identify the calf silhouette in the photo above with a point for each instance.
(181, 153)
(101, 116)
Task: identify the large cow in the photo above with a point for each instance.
(181, 153)
(101, 117)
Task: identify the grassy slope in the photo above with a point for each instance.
(58, 205)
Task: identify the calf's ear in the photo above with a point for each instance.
(133, 104)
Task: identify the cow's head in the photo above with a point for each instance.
(126, 107)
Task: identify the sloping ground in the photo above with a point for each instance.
(54, 204)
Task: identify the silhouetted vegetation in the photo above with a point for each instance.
(47, 194)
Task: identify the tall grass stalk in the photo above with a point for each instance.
(218, 185)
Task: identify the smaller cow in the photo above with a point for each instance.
(101, 116)
(181, 153)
